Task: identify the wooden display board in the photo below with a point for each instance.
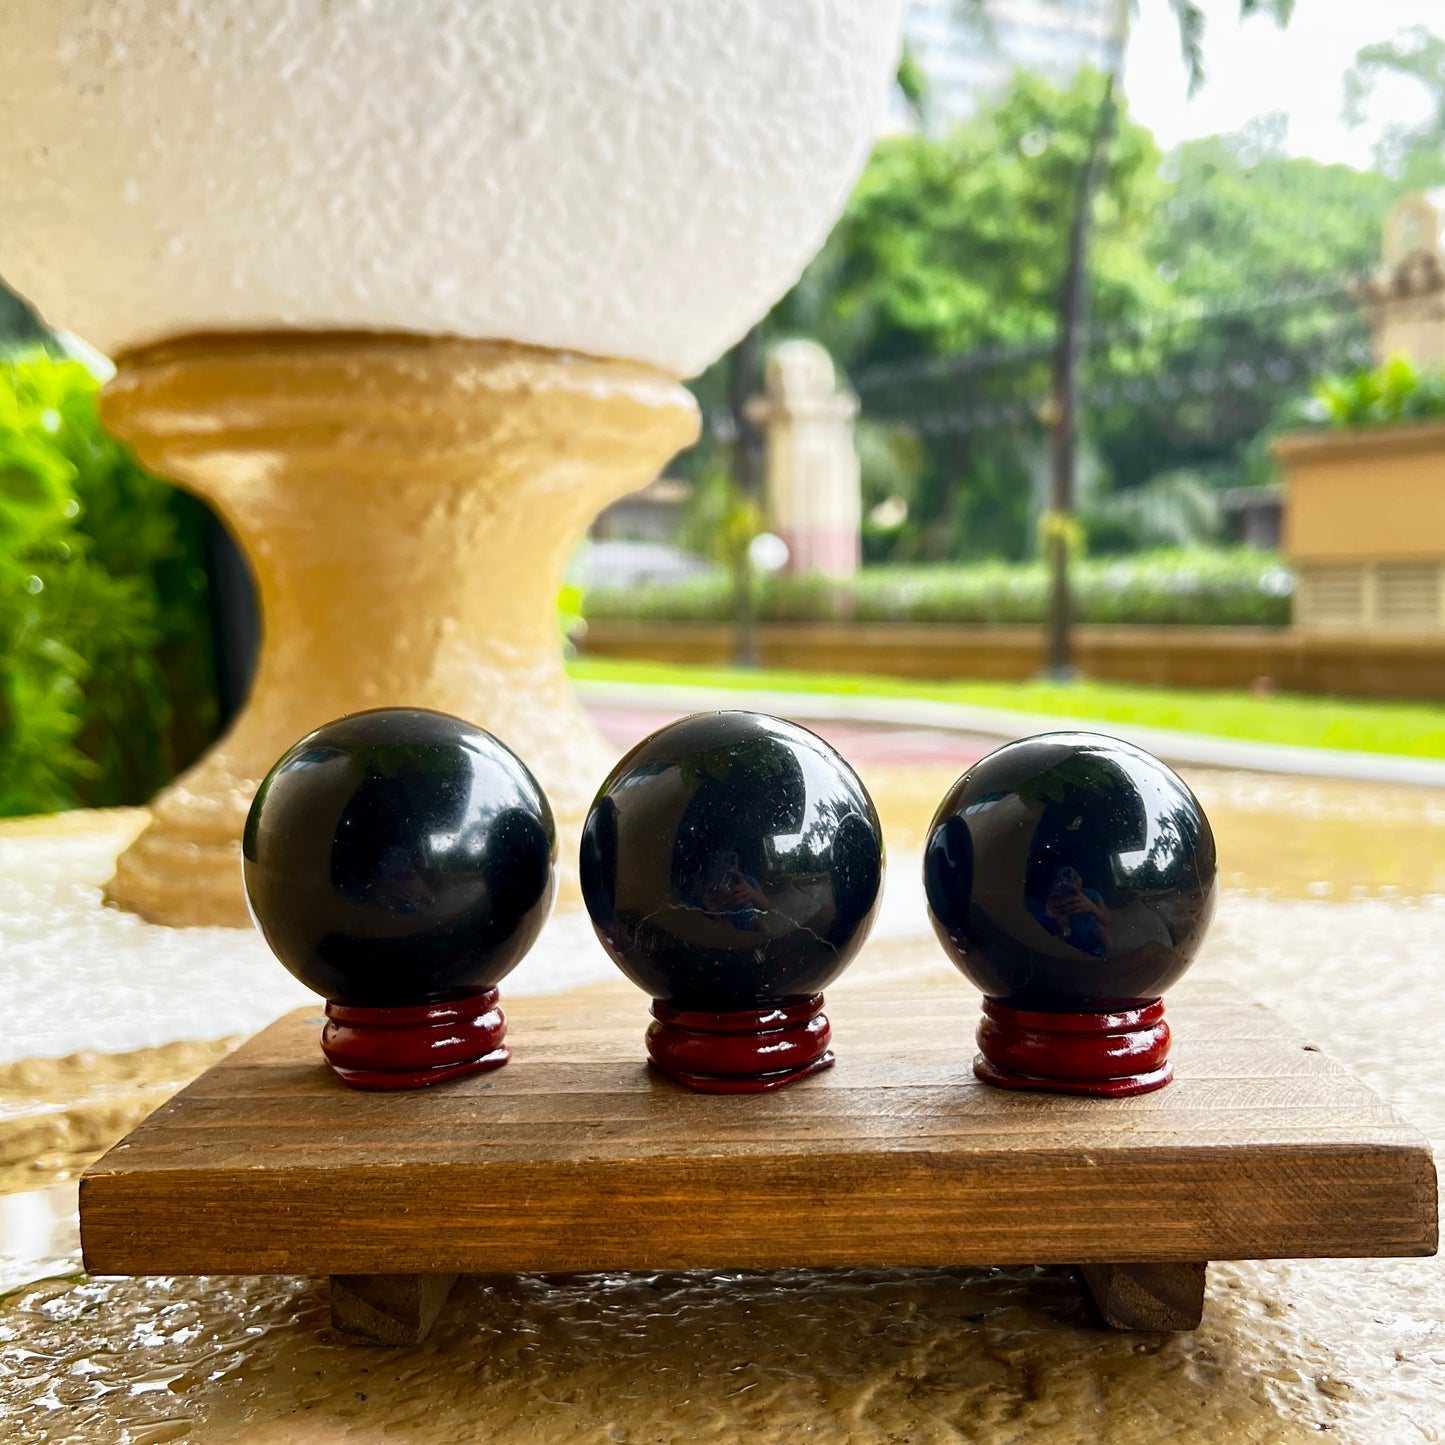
(577, 1156)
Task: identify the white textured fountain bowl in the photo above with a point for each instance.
(634, 178)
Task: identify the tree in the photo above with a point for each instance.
(1257, 250)
(1188, 16)
(958, 244)
(1190, 19)
(1073, 325)
(1073, 316)
(1414, 155)
(941, 291)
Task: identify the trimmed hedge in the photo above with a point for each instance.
(1238, 587)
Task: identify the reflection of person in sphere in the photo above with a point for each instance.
(1075, 913)
(723, 890)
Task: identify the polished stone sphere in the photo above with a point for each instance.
(731, 861)
(399, 857)
(1070, 873)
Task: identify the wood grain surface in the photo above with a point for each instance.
(578, 1157)
(1145, 1296)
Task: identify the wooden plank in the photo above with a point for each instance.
(577, 1157)
(1046, 1208)
(282, 1134)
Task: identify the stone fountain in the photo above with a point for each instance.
(405, 293)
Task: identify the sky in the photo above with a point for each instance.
(1254, 68)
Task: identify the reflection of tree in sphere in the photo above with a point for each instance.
(732, 860)
(400, 857)
(725, 830)
(1071, 872)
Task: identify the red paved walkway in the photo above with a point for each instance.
(859, 742)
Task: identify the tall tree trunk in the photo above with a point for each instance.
(747, 476)
(1073, 339)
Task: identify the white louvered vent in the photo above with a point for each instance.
(1331, 597)
(1407, 597)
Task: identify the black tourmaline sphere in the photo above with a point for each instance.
(1070, 873)
(731, 861)
(399, 857)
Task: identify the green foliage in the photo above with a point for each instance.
(1190, 19)
(959, 243)
(1241, 216)
(956, 245)
(105, 668)
(1242, 224)
(891, 462)
(1413, 154)
(1175, 509)
(1237, 587)
(719, 522)
(1385, 396)
(912, 83)
(570, 622)
(953, 243)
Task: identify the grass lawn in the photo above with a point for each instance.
(1406, 728)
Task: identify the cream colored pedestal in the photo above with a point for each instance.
(408, 506)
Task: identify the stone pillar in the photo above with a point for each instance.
(1407, 296)
(408, 505)
(814, 497)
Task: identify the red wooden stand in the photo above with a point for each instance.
(748, 1052)
(1106, 1055)
(409, 1048)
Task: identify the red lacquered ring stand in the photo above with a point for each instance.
(1112, 1055)
(409, 1048)
(748, 1052)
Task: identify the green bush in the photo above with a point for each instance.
(1385, 396)
(1174, 510)
(1221, 588)
(106, 674)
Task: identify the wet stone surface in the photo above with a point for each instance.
(1332, 915)
(996, 1355)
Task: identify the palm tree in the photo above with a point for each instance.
(1073, 319)
(1188, 15)
(1072, 332)
(1058, 524)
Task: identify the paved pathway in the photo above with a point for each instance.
(1177, 748)
(860, 742)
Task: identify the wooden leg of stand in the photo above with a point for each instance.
(1147, 1296)
(387, 1309)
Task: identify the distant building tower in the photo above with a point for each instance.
(814, 492)
(968, 62)
(1407, 296)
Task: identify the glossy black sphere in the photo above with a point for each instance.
(1070, 873)
(399, 857)
(732, 860)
